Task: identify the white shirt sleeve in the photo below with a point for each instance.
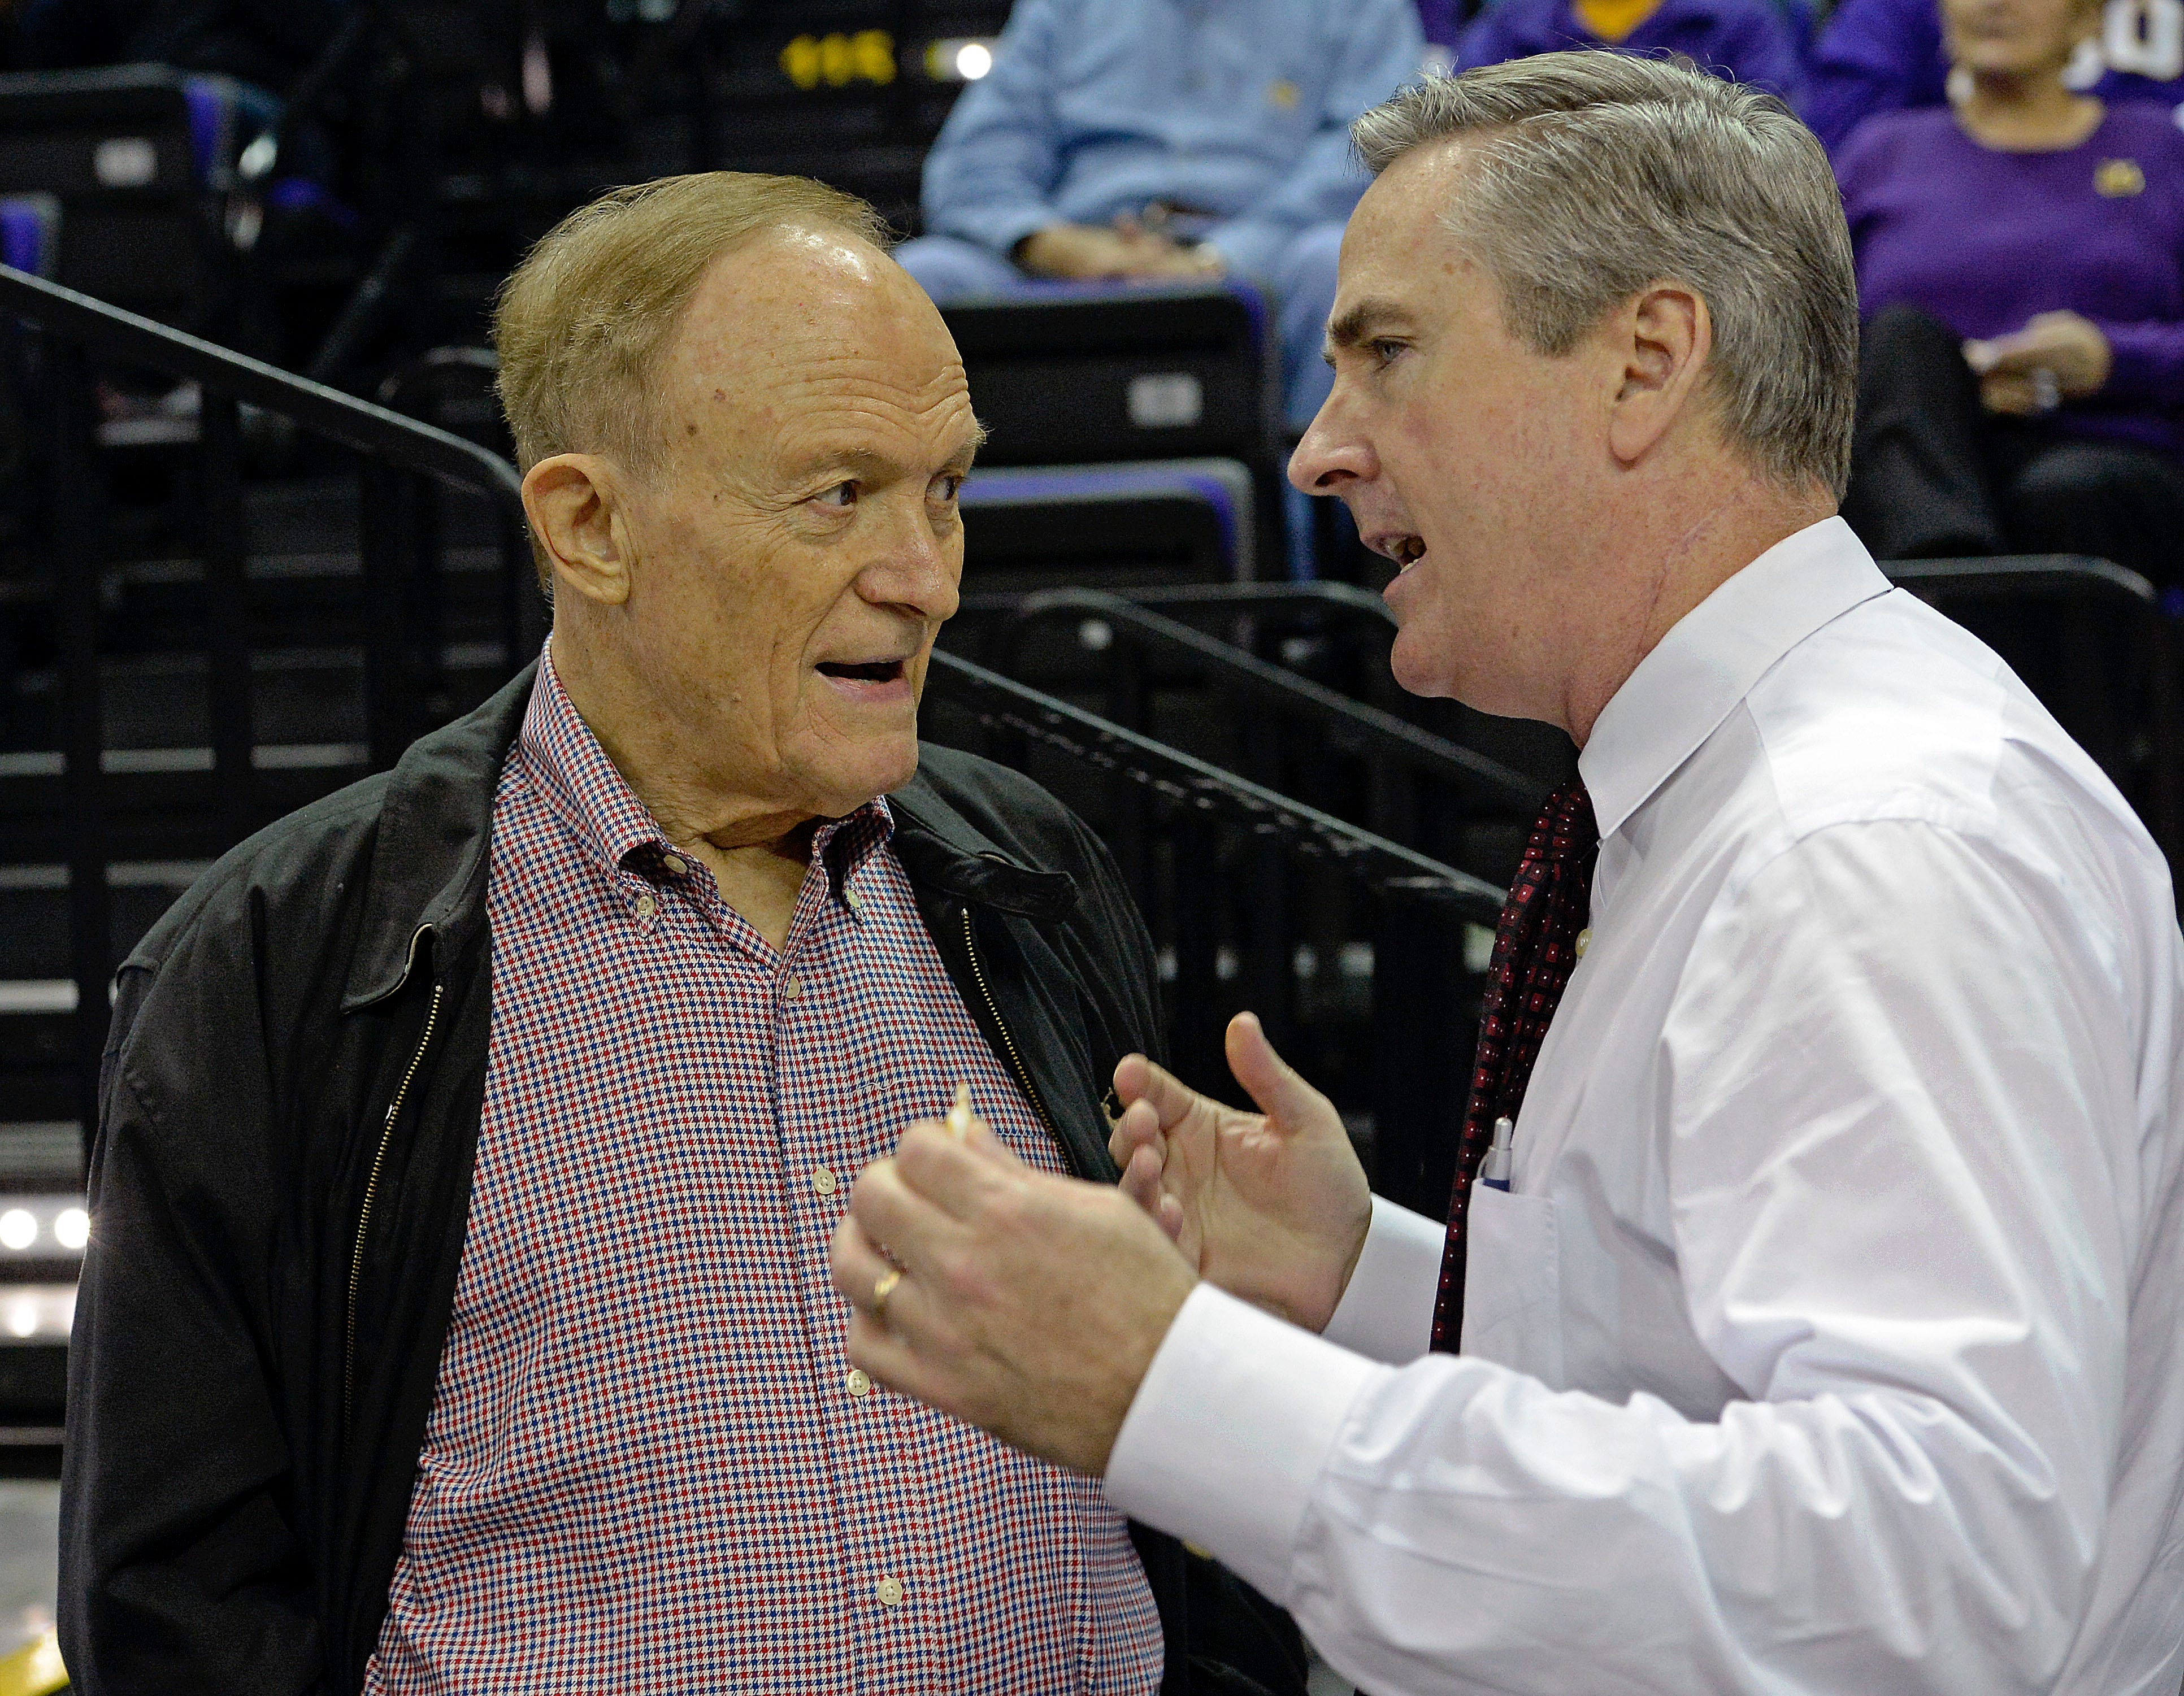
(1891, 1087)
(1387, 1310)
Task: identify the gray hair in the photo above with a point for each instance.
(1595, 176)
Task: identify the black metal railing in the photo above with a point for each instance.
(1213, 892)
(1336, 634)
(2091, 639)
(1283, 729)
(67, 346)
(1480, 782)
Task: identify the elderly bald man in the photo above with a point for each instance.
(457, 1319)
(1810, 1313)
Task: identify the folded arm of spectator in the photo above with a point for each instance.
(2123, 363)
(2057, 356)
(990, 174)
(1379, 47)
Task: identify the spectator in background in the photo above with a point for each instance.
(2020, 265)
(1163, 139)
(1749, 42)
(1878, 56)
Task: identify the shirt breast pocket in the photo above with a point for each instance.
(1512, 1284)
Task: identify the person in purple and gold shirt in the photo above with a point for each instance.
(2020, 266)
(1878, 56)
(1750, 41)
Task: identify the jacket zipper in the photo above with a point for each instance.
(370, 1191)
(1008, 1042)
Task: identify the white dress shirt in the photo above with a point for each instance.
(1831, 1337)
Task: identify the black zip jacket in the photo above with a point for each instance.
(289, 1109)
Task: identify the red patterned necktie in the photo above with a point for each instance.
(1534, 948)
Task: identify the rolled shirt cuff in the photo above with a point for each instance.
(1230, 1431)
(1386, 1313)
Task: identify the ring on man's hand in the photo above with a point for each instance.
(882, 1290)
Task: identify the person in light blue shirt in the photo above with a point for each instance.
(1155, 139)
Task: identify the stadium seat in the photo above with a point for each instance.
(1107, 526)
(1121, 373)
(130, 157)
(30, 233)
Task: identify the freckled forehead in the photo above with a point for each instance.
(808, 334)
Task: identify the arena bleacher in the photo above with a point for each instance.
(258, 530)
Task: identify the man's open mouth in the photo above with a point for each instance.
(864, 671)
(1406, 548)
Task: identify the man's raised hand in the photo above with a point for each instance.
(1272, 1206)
(1026, 1303)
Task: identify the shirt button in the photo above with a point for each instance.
(791, 986)
(856, 901)
(860, 1385)
(676, 867)
(889, 1591)
(824, 1180)
(1584, 941)
(646, 906)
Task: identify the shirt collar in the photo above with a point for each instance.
(1710, 661)
(590, 796)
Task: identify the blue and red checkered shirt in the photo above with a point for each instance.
(648, 1465)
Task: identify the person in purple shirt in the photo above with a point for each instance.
(1750, 41)
(1878, 56)
(2020, 266)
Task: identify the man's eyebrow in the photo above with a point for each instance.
(861, 465)
(864, 464)
(960, 459)
(1362, 321)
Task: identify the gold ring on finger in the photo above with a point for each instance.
(882, 1290)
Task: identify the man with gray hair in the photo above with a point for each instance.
(1807, 1315)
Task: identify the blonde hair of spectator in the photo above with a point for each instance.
(1594, 175)
(581, 323)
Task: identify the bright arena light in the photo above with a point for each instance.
(18, 1229)
(23, 1318)
(72, 1227)
(973, 59)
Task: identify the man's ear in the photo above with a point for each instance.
(578, 503)
(1662, 338)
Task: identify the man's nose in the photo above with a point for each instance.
(1334, 453)
(918, 570)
